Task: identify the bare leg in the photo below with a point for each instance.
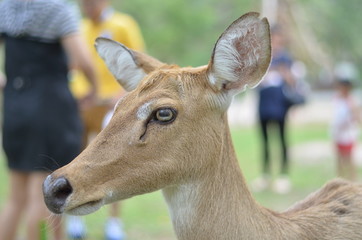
(11, 213)
(346, 167)
(55, 223)
(340, 166)
(350, 172)
(114, 226)
(115, 210)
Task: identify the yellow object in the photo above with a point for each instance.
(119, 27)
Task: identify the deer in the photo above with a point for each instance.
(171, 133)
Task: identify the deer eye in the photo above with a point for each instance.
(165, 115)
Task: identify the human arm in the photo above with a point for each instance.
(2, 80)
(286, 73)
(356, 113)
(80, 58)
(2, 75)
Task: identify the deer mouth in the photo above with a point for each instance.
(86, 208)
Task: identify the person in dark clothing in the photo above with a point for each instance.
(41, 126)
(272, 112)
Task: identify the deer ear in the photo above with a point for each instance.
(241, 55)
(129, 67)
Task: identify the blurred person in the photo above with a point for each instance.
(272, 112)
(344, 128)
(103, 21)
(41, 124)
(2, 80)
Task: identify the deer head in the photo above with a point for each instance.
(168, 129)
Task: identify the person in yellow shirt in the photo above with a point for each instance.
(102, 21)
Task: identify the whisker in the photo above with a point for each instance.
(53, 223)
(44, 169)
(49, 157)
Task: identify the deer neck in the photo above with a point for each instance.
(217, 201)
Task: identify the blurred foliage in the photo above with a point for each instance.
(336, 25)
(184, 31)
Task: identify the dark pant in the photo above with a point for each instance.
(265, 125)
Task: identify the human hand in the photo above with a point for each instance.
(89, 100)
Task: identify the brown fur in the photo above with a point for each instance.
(193, 161)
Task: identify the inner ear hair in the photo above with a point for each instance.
(241, 55)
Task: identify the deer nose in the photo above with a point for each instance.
(56, 191)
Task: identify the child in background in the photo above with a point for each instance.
(345, 129)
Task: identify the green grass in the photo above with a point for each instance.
(305, 178)
(146, 217)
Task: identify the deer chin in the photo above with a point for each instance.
(85, 208)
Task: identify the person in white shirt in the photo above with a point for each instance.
(344, 129)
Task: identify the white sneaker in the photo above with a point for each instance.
(261, 183)
(282, 185)
(114, 230)
(76, 228)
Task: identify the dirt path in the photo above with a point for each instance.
(320, 152)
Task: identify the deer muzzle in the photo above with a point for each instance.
(56, 192)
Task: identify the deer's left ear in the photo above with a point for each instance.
(129, 67)
(241, 56)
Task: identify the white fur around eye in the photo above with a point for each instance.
(144, 111)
